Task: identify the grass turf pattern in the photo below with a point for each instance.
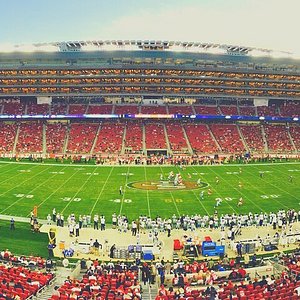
(86, 189)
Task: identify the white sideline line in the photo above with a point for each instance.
(141, 166)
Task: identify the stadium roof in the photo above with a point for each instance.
(134, 45)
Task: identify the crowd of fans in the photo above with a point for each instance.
(22, 276)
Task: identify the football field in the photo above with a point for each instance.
(88, 189)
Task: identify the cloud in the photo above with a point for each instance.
(269, 24)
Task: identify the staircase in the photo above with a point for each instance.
(16, 140)
(167, 109)
(149, 291)
(66, 139)
(26, 109)
(87, 108)
(68, 109)
(187, 140)
(219, 110)
(96, 138)
(291, 139)
(242, 137)
(167, 139)
(238, 109)
(264, 138)
(144, 140)
(123, 141)
(214, 138)
(193, 109)
(60, 276)
(44, 140)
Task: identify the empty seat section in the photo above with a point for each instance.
(267, 111)
(155, 136)
(228, 137)
(55, 137)
(295, 134)
(253, 137)
(200, 138)
(181, 109)
(14, 108)
(229, 110)
(37, 109)
(100, 109)
(7, 136)
(126, 109)
(206, 110)
(77, 109)
(59, 108)
(290, 109)
(176, 137)
(134, 137)
(30, 137)
(81, 137)
(247, 111)
(277, 138)
(110, 138)
(153, 109)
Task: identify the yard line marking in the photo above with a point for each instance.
(173, 199)
(220, 196)
(175, 204)
(58, 188)
(84, 183)
(29, 192)
(148, 201)
(274, 199)
(98, 198)
(199, 200)
(278, 188)
(24, 181)
(9, 178)
(242, 194)
(123, 196)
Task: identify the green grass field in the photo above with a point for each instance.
(86, 189)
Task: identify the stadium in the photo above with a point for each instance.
(151, 148)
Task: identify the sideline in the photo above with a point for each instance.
(142, 166)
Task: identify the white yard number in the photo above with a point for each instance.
(169, 200)
(226, 199)
(67, 199)
(273, 196)
(119, 200)
(24, 196)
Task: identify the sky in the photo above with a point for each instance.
(272, 24)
